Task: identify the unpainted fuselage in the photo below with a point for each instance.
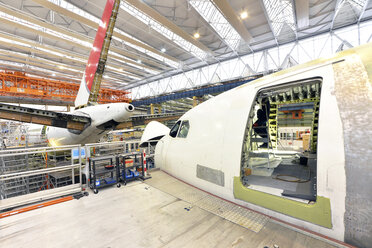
(344, 149)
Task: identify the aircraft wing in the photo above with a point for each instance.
(140, 120)
(44, 117)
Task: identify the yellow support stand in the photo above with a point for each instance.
(196, 100)
(153, 106)
(152, 109)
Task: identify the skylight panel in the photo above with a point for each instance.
(48, 78)
(11, 63)
(52, 63)
(51, 72)
(219, 23)
(169, 62)
(358, 4)
(57, 34)
(194, 50)
(14, 42)
(35, 68)
(112, 79)
(45, 30)
(133, 65)
(76, 10)
(119, 71)
(63, 55)
(280, 12)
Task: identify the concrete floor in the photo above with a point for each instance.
(138, 215)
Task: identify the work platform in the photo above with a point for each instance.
(148, 214)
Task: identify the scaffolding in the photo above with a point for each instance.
(17, 134)
(12, 134)
(18, 84)
(30, 174)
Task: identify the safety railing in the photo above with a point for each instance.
(104, 149)
(29, 175)
(32, 174)
(107, 149)
(149, 149)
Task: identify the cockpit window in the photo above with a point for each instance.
(184, 130)
(173, 132)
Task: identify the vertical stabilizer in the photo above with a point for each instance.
(83, 93)
(91, 81)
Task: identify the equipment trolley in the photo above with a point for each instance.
(129, 166)
(103, 171)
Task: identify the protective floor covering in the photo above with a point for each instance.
(229, 211)
(139, 215)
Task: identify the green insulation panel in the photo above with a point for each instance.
(318, 213)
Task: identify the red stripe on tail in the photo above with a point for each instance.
(95, 53)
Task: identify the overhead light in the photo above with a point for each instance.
(196, 35)
(243, 15)
(53, 74)
(163, 50)
(139, 61)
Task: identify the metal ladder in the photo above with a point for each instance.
(271, 118)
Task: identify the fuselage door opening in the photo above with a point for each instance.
(280, 141)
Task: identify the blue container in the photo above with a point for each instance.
(110, 180)
(129, 174)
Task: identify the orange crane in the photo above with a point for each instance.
(15, 83)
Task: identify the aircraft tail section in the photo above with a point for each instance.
(83, 93)
(91, 81)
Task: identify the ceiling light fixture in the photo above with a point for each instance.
(196, 35)
(243, 15)
(163, 50)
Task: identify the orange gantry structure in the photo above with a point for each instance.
(19, 85)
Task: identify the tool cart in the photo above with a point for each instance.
(103, 172)
(131, 166)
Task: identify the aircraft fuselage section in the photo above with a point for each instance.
(104, 118)
(217, 147)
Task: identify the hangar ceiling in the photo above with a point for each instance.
(159, 38)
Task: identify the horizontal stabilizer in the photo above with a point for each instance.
(44, 117)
